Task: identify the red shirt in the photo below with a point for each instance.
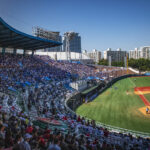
(29, 129)
(78, 119)
(42, 141)
(64, 118)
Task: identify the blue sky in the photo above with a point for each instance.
(101, 23)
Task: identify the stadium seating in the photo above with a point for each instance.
(32, 87)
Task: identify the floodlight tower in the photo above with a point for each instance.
(69, 37)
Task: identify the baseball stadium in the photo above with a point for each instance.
(48, 104)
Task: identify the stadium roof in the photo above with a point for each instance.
(12, 38)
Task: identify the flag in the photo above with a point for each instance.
(20, 64)
(27, 83)
(12, 89)
(47, 78)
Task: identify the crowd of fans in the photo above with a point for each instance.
(38, 82)
(84, 71)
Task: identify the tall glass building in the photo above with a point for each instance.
(74, 42)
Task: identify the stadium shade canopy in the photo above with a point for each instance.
(12, 38)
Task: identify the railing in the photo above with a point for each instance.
(123, 130)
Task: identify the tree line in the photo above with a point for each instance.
(140, 64)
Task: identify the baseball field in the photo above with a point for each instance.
(122, 105)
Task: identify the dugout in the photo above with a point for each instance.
(92, 93)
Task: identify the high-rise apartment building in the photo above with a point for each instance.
(95, 55)
(135, 54)
(72, 40)
(116, 56)
(143, 52)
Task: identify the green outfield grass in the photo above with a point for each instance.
(147, 97)
(116, 107)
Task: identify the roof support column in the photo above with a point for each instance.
(32, 53)
(3, 50)
(14, 51)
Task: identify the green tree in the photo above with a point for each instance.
(103, 62)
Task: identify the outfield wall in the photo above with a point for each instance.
(78, 99)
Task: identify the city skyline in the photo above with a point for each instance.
(101, 24)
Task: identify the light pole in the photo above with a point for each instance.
(69, 36)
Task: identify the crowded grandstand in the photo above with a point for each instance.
(33, 112)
